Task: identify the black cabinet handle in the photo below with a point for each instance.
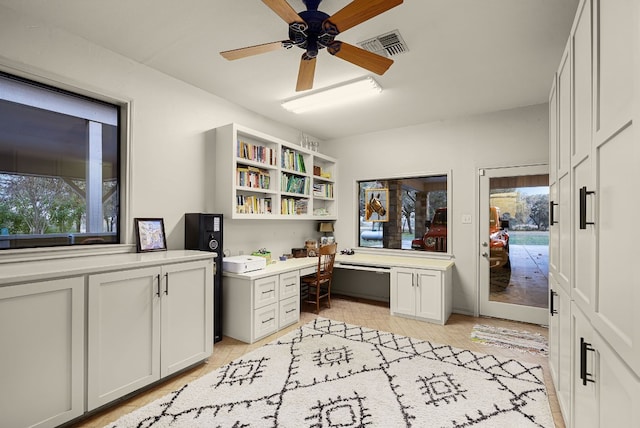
(158, 278)
(166, 283)
(552, 309)
(584, 347)
(583, 207)
(552, 220)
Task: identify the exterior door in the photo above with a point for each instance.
(513, 256)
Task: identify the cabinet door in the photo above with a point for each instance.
(585, 378)
(187, 315)
(403, 292)
(429, 295)
(123, 333)
(560, 341)
(42, 342)
(265, 291)
(616, 159)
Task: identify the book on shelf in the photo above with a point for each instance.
(293, 160)
(293, 206)
(256, 153)
(248, 204)
(249, 176)
(324, 190)
(294, 184)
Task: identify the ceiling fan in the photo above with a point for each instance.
(313, 30)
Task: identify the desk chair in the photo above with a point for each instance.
(318, 285)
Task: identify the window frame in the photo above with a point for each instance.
(125, 105)
(398, 251)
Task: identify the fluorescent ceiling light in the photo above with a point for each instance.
(333, 96)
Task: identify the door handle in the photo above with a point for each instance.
(583, 207)
(485, 254)
(584, 375)
(552, 220)
(552, 309)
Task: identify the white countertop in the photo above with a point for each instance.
(345, 261)
(27, 271)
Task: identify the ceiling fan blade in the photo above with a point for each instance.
(305, 73)
(283, 10)
(373, 62)
(252, 50)
(359, 11)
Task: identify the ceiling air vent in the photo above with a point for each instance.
(388, 44)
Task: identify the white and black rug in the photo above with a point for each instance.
(332, 374)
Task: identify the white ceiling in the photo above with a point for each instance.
(465, 56)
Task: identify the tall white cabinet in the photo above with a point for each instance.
(595, 160)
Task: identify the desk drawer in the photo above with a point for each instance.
(308, 270)
(289, 311)
(265, 321)
(265, 291)
(289, 284)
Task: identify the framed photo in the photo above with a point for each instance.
(376, 204)
(150, 234)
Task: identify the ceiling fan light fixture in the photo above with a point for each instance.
(333, 96)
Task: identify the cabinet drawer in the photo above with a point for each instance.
(265, 291)
(289, 311)
(265, 321)
(289, 284)
(308, 270)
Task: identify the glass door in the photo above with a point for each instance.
(514, 243)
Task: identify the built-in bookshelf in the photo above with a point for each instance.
(258, 176)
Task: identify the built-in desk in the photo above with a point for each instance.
(262, 302)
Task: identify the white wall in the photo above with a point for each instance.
(462, 146)
(169, 122)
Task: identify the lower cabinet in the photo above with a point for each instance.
(560, 356)
(42, 352)
(421, 293)
(606, 392)
(145, 324)
(272, 303)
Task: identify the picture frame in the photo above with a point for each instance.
(376, 205)
(150, 235)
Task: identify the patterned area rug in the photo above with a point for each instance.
(331, 374)
(523, 341)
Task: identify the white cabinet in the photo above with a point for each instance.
(600, 124)
(258, 176)
(255, 308)
(606, 392)
(421, 293)
(145, 324)
(559, 350)
(42, 341)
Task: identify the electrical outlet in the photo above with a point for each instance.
(466, 218)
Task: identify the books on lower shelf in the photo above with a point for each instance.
(257, 153)
(323, 190)
(247, 204)
(293, 206)
(294, 184)
(249, 176)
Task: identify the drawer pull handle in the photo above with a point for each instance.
(584, 347)
(552, 219)
(290, 310)
(552, 309)
(583, 207)
(269, 320)
(267, 292)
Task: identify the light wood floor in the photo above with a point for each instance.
(370, 314)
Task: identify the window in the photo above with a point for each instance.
(59, 167)
(408, 213)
